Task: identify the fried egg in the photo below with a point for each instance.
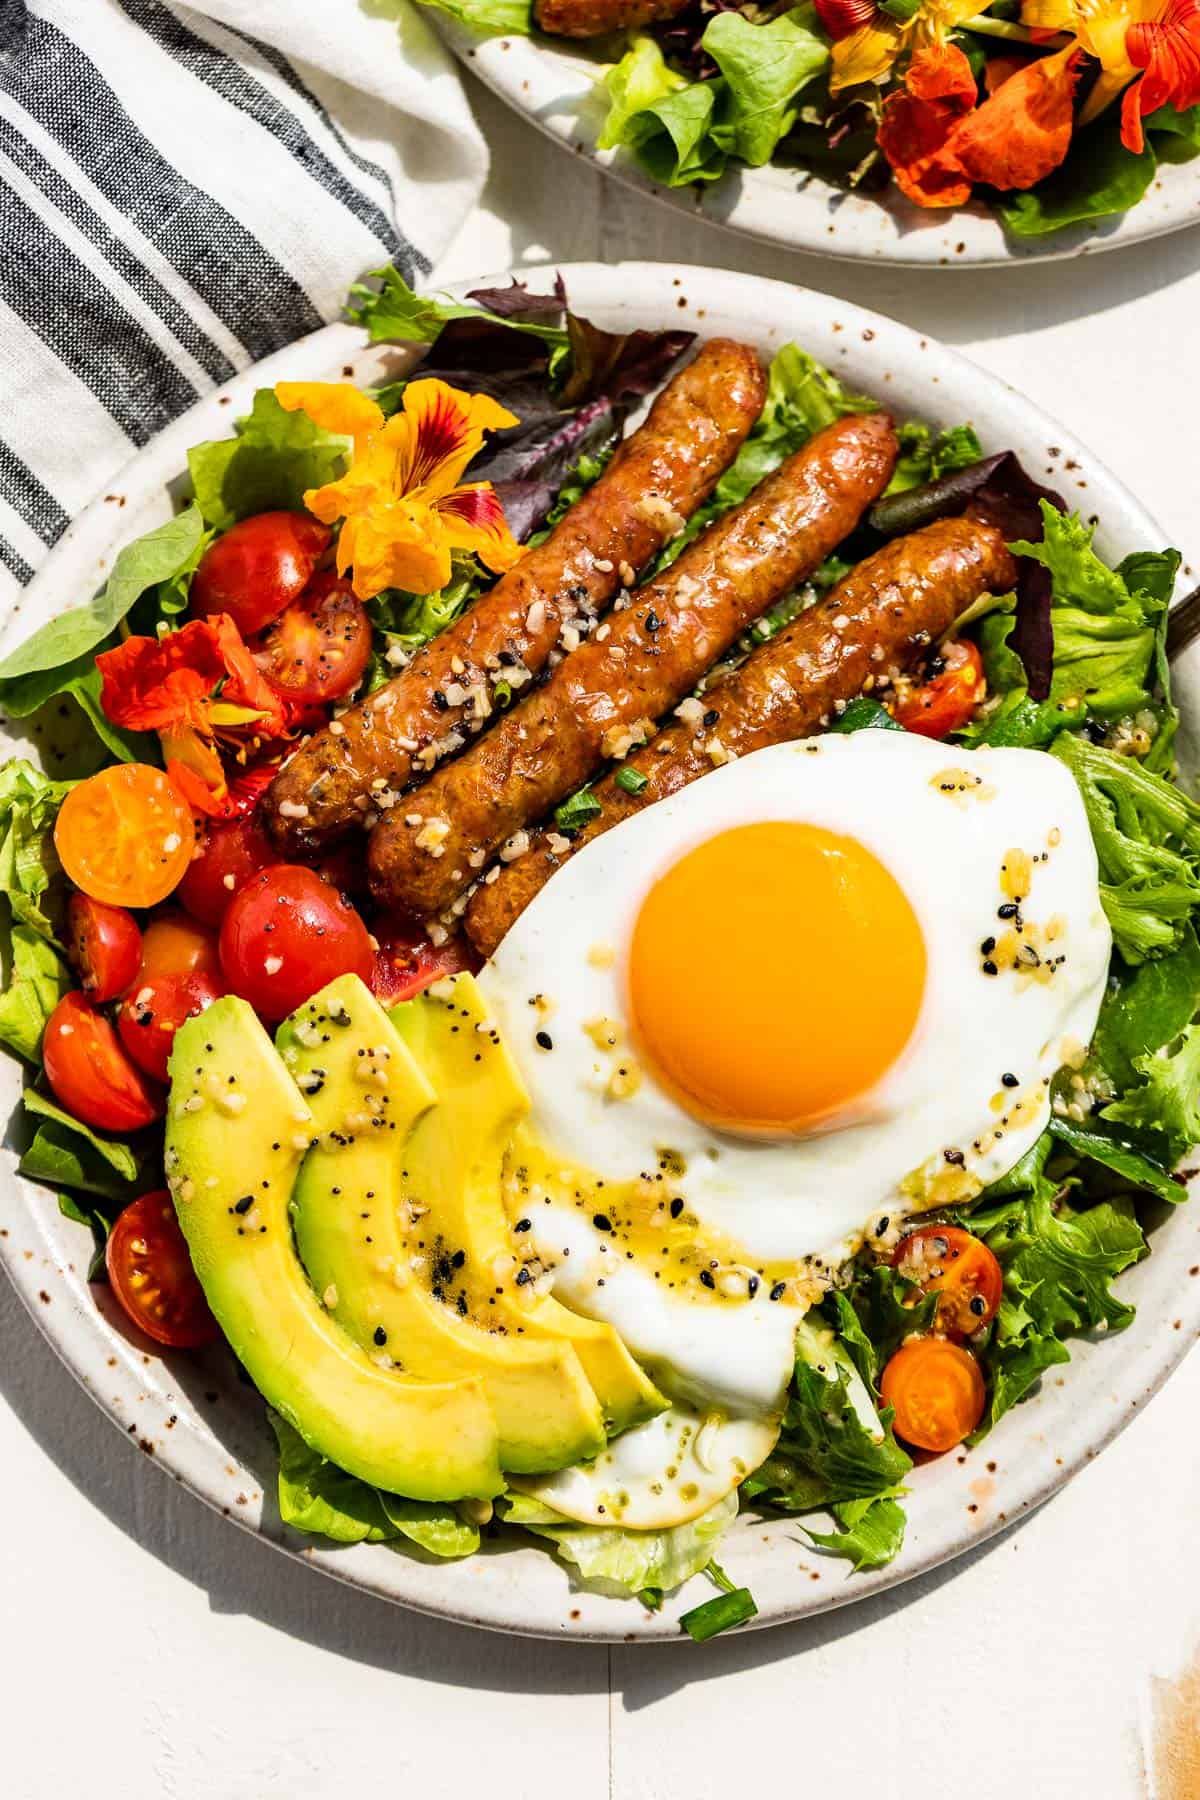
(825, 987)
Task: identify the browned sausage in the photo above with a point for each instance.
(592, 18)
(657, 478)
(602, 700)
(878, 621)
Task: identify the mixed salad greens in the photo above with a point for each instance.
(1075, 666)
(1050, 112)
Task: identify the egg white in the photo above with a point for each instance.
(803, 1200)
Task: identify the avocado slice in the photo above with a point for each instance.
(378, 1273)
(453, 1163)
(237, 1128)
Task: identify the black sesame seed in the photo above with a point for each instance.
(244, 1204)
(1009, 1081)
(882, 1225)
(987, 946)
(543, 1040)
(978, 1305)
(707, 1279)
(954, 1157)
(1007, 911)
(711, 717)
(440, 700)
(523, 1277)
(458, 1259)
(752, 1285)
(602, 1222)
(989, 968)
(652, 621)
(676, 1208)
(380, 1335)
(523, 1225)
(778, 1291)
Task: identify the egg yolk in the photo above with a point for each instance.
(775, 973)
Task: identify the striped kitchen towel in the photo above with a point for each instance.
(184, 188)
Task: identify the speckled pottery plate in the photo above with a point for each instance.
(554, 85)
(208, 1429)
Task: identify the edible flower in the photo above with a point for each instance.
(872, 51)
(940, 143)
(1148, 49)
(199, 689)
(402, 508)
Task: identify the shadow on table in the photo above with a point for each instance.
(243, 1573)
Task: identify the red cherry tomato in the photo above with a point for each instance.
(944, 704)
(152, 1275)
(406, 962)
(90, 1073)
(152, 1012)
(104, 945)
(937, 1392)
(258, 567)
(959, 1269)
(228, 856)
(317, 650)
(175, 945)
(287, 934)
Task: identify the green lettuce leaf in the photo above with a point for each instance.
(1058, 1268)
(1131, 1162)
(764, 66)
(673, 138)
(116, 1152)
(640, 80)
(511, 18)
(925, 457)
(97, 1222)
(1146, 1007)
(61, 1155)
(37, 982)
(393, 310)
(410, 620)
(870, 1533)
(1098, 178)
(634, 1560)
(318, 1497)
(157, 556)
(29, 865)
(269, 462)
(1167, 1100)
(1147, 837)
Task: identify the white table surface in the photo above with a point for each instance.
(150, 1651)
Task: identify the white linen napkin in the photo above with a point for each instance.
(183, 189)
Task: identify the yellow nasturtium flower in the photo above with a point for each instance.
(871, 52)
(400, 502)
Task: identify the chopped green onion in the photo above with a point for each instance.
(720, 1614)
(864, 714)
(501, 695)
(651, 1598)
(574, 813)
(632, 780)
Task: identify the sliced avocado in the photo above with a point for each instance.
(454, 1162)
(378, 1269)
(237, 1128)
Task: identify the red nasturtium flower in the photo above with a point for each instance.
(1168, 49)
(940, 143)
(199, 688)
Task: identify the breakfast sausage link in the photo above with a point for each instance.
(602, 700)
(592, 18)
(879, 620)
(655, 481)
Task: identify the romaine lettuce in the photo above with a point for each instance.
(316, 1496)
(633, 1560)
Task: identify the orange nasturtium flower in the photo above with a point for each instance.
(402, 508)
(940, 143)
(198, 688)
(872, 51)
(1150, 49)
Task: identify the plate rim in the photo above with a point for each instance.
(509, 76)
(89, 1337)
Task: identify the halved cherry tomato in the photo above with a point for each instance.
(173, 944)
(258, 567)
(936, 1390)
(104, 945)
(152, 1012)
(958, 1268)
(287, 934)
(317, 650)
(227, 858)
(125, 836)
(90, 1073)
(406, 962)
(945, 703)
(152, 1275)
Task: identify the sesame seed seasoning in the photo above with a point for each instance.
(543, 1040)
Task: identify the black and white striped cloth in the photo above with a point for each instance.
(184, 189)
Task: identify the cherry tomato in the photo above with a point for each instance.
(287, 934)
(152, 1275)
(258, 567)
(945, 703)
(959, 1269)
(176, 945)
(406, 962)
(90, 1073)
(152, 1012)
(125, 836)
(936, 1390)
(317, 650)
(228, 856)
(104, 945)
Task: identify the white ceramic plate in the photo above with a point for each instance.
(208, 1428)
(554, 85)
